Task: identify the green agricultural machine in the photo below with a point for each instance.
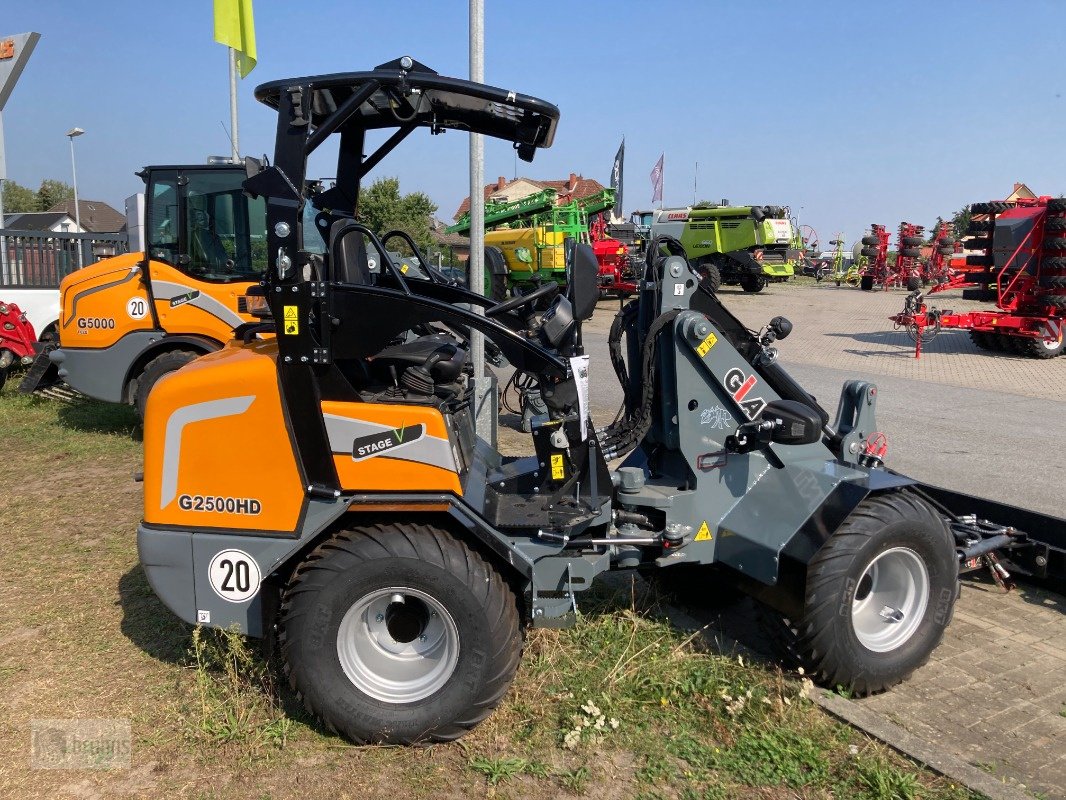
(749, 246)
(530, 232)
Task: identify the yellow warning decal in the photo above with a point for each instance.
(292, 320)
(703, 534)
(404, 268)
(558, 469)
(704, 348)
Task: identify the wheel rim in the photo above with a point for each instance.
(398, 645)
(890, 599)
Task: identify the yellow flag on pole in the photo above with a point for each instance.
(235, 27)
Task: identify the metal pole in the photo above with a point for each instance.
(77, 207)
(234, 138)
(3, 177)
(485, 419)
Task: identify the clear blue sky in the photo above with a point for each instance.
(854, 112)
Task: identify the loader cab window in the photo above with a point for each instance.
(224, 231)
(201, 222)
(162, 213)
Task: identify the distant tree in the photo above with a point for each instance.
(382, 208)
(18, 199)
(933, 230)
(52, 193)
(960, 221)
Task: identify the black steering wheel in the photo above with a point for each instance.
(548, 290)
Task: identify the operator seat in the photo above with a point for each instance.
(582, 279)
(438, 354)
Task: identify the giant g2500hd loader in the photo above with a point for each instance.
(398, 557)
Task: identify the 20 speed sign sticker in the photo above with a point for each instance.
(234, 575)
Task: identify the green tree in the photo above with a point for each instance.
(960, 221)
(933, 230)
(52, 193)
(18, 199)
(382, 208)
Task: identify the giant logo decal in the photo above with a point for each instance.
(740, 386)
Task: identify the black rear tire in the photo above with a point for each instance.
(912, 241)
(910, 252)
(410, 560)
(1057, 243)
(871, 240)
(946, 251)
(1055, 224)
(753, 284)
(1056, 204)
(712, 276)
(153, 371)
(982, 340)
(1038, 348)
(869, 252)
(3, 376)
(979, 226)
(866, 283)
(825, 641)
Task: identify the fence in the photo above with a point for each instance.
(41, 259)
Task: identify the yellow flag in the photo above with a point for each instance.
(234, 27)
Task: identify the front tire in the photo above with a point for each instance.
(879, 595)
(399, 633)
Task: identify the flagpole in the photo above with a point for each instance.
(662, 182)
(233, 104)
(695, 177)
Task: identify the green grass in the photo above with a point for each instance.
(622, 704)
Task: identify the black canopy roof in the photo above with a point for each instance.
(409, 93)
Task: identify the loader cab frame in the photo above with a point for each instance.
(200, 221)
(342, 316)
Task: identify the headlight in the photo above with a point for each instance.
(257, 306)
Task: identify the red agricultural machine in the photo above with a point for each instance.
(875, 248)
(16, 340)
(1023, 268)
(908, 256)
(938, 269)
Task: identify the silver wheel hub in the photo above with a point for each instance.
(398, 645)
(890, 600)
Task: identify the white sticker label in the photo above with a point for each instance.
(234, 576)
(579, 365)
(679, 289)
(203, 616)
(137, 308)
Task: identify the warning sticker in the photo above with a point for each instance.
(558, 467)
(292, 321)
(404, 268)
(705, 346)
(703, 534)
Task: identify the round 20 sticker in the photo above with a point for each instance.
(234, 575)
(137, 308)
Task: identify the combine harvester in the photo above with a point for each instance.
(398, 557)
(1024, 269)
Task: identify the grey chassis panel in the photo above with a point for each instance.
(754, 503)
(176, 563)
(101, 373)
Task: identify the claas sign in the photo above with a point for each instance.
(7, 49)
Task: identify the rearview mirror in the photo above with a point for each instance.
(794, 422)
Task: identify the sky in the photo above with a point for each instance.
(849, 113)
